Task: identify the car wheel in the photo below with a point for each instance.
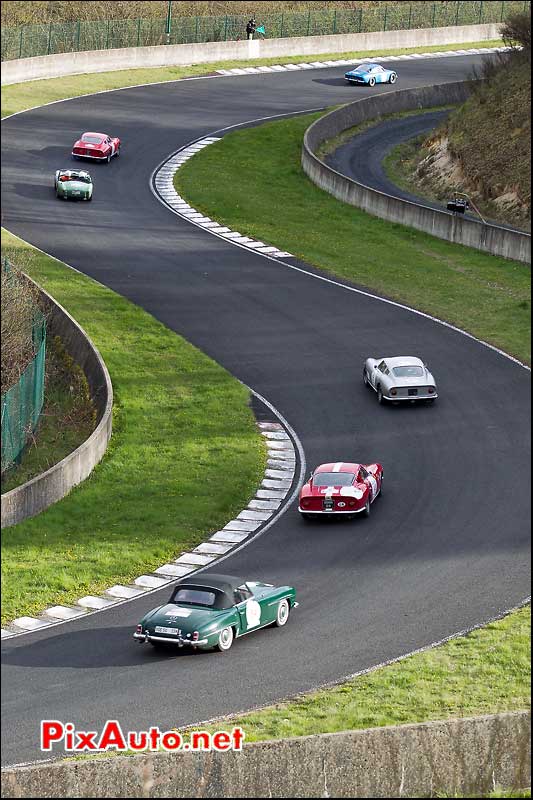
(118, 151)
(108, 159)
(380, 486)
(372, 82)
(380, 395)
(158, 645)
(366, 512)
(365, 378)
(306, 517)
(225, 640)
(393, 77)
(282, 615)
(74, 158)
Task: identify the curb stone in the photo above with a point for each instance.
(258, 512)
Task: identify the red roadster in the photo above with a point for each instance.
(341, 488)
(96, 146)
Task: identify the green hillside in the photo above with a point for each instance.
(490, 138)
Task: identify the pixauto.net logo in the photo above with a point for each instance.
(55, 733)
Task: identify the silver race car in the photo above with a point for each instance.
(400, 378)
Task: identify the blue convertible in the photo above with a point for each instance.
(370, 74)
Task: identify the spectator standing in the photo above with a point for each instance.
(250, 28)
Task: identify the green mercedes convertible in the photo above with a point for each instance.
(71, 184)
(210, 611)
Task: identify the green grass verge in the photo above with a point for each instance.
(184, 458)
(68, 418)
(21, 96)
(240, 179)
(484, 672)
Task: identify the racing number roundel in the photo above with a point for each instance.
(253, 613)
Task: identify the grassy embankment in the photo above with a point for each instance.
(184, 458)
(484, 672)
(240, 179)
(456, 156)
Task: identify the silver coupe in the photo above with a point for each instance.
(400, 378)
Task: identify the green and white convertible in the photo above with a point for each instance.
(71, 184)
(210, 611)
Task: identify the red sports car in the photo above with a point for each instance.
(96, 146)
(341, 488)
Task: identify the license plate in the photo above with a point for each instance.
(171, 631)
(412, 392)
(328, 506)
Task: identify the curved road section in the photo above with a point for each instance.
(447, 545)
(376, 143)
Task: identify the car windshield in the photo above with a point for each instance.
(196, 597)
(333, 479)
(408, 372)
(91, 138)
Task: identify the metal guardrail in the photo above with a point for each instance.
(68, 37)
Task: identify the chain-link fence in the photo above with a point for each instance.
(68, 37)
(22, 403)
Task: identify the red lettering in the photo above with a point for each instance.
(86, 740)
(51, 731)
(238, 738)
(221, 740)
(171, 740)
(112, 736)
(200, 737)
(137, 741)
(154, 734)
(69, 736)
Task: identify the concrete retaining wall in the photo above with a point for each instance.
(53, 66)
(34, 496)
(463, 756)
(444, 225)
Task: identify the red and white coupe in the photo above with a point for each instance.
(96, 146)
(340, 488)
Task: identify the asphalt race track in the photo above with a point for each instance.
(446, 546)
(376, 143)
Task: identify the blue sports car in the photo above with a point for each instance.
(370, 74)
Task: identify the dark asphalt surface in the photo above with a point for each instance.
(447, 545)
(361, 158)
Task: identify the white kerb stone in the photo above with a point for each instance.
(242, 525)
(270, 484)
(278, 473)
(95, 602)
(173, 570)
(29, 623)
(213, 548)
(234, 537)
(124, 592)
(194, 558)
(150, 581)
(256, 516)
(265, 505)
(64, 612)
(271, 494)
